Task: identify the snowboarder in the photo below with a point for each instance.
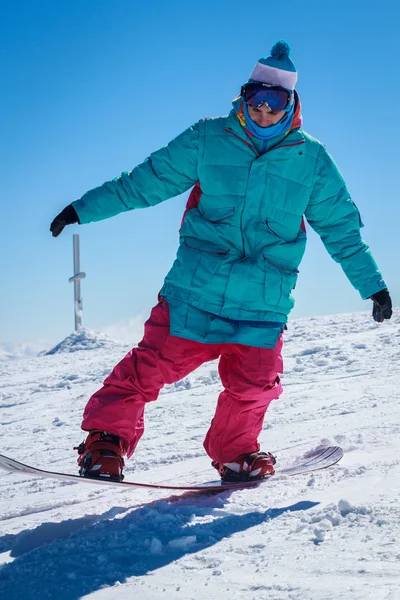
(255, 174)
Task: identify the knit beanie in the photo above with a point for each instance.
(277, 69)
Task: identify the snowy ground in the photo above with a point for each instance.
(331, 535)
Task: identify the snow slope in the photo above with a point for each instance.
(331, 535)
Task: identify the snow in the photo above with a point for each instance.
(328, 535)
(84, 339)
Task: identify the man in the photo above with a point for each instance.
(255, 174)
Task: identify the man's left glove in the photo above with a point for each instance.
(382, 308)
(68, 216)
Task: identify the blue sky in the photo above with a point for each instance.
(89, 89)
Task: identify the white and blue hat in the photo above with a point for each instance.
(276, 69)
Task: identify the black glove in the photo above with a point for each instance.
(382, 308)
(68, 216)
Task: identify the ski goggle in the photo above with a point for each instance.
(275, 98)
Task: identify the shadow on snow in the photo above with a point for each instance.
(76, 557)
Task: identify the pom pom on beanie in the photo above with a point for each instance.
(280, 49)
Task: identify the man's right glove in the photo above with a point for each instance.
(382, 308)
(68, 216)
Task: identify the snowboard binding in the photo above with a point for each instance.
(101, 456)
(246, 467)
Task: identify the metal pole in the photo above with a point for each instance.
(76, 280)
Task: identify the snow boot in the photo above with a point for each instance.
(246, 467)
(101, 456)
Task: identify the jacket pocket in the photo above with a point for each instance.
(203, 263)
(279, 283)
(361, 224)
(206, 247)
(218, 215)
(283, 225)
(285, 231)
(280, 267)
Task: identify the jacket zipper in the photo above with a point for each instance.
(258, 155)
(241, 215)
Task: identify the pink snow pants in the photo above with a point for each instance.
(249, 375)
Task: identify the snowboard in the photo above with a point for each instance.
(315, 460)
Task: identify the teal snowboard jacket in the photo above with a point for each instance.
(243, 234)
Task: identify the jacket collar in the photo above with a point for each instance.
(295, 136)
